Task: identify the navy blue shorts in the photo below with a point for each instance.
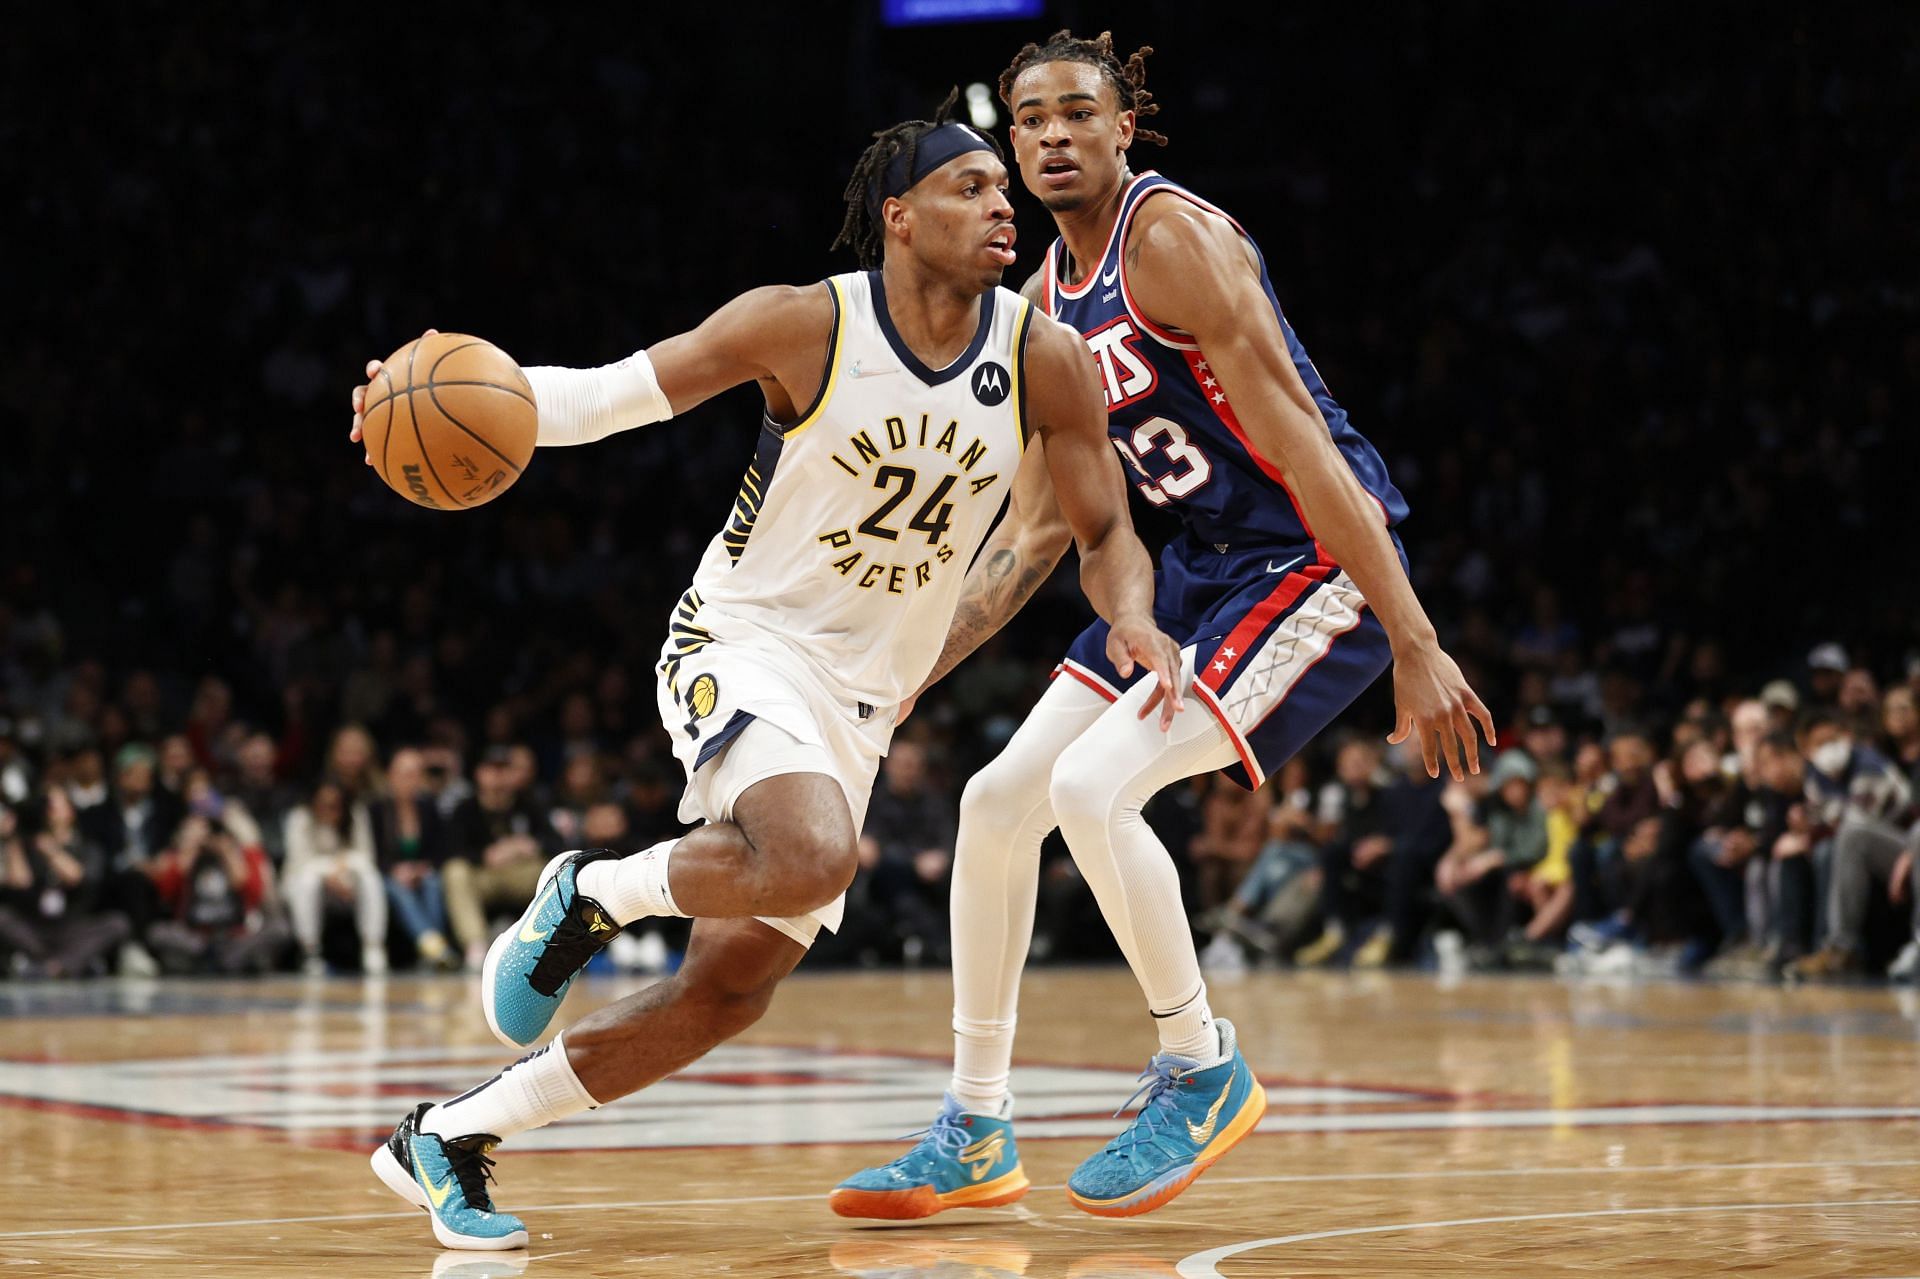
(1283, 643)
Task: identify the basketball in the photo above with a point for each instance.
(449, 421)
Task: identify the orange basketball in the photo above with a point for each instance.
(449, 421)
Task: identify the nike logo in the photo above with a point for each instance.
(1108, 279)
(981, 1156)
(854, 370)
(438, 1194)
(1284, 567)
(1203, 1133)
(528, 933)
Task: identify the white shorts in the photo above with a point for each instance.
(739, 715)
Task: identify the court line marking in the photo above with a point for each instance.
(1443, 1174)
(1204, 1265)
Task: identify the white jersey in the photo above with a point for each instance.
(854, 527)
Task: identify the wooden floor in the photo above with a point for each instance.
(1485, 1127)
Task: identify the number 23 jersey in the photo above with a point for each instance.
(853, 528)
(1167, 414)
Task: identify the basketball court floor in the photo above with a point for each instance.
(1417, 1127)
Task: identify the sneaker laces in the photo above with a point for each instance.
(1157, 1084)
(467, 1159)
(946, 1132)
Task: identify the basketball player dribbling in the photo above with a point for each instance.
(1287, 588)
(904, 403)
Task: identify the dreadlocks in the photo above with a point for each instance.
(1129, 79)
(862, 230)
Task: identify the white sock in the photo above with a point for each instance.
(633, 887)
(1187, 1030)
(533, 1092)
(982, 1064)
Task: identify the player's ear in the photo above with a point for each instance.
(897, 217)
(1123, 131)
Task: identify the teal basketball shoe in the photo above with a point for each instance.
(448, 1177)
(1191, 1116)
(963, 1161)
(530, 966)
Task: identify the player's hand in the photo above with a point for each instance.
(1134, 642)
(1897, 882)
(360, 398)
(1434, 705)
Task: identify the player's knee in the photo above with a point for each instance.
(1082, 793)
(999, 793)
(820, 866)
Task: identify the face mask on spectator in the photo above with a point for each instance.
(1831, 757)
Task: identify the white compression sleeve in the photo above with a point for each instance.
(1102, 781)
(1004, 815)
(580, 406)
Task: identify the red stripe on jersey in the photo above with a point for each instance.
(1234, 648)
(1092, 683)
(1216, 398)
(1248, 760)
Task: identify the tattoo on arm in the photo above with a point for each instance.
(993, 593)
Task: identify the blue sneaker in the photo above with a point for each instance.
(963, 1161)
(1190, 1118)
(530, 966)
(448, 1177)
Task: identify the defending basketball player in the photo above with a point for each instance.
(1287, 588)
(900, 402)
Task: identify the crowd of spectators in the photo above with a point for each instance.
(1630, 320)
(1767, 835)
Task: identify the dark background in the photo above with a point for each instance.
(1625, 293)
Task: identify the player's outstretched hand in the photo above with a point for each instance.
(1136, 642)
(360, 398)
(1434, 705)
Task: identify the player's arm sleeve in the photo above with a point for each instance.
(581, 406)
(736, 344)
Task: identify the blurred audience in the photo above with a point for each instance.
(498, 843)
(1562, 332)
(332, 863)
(50, 879)
(411, 845)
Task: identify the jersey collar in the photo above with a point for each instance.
(914, 363)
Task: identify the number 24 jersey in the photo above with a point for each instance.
(853, 528)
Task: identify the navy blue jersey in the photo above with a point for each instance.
(1169, 417)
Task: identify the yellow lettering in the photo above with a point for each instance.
(975, 451)
(896, 434)
(871, 575)
(863, 447)
(895, 574)
(837, 539)
(922, 573)
(923, 430)
(945, 554)
(945, 442)
(984, 482)
(842, 464)
(846, 562)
